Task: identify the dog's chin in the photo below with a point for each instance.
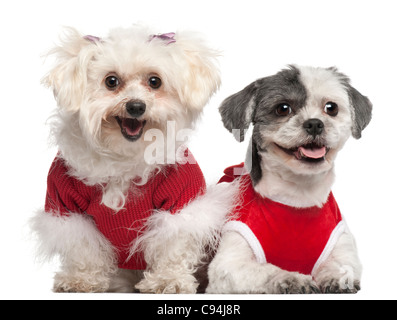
(305, 159)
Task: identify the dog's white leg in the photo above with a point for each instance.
(175, 244)
(173, 270)
(88, 260)
(235, 270)
(341, 271)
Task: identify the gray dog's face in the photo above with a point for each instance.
(302, 117)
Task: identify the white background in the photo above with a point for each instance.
(257, 39)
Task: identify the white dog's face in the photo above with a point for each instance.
(130, 82)
(302, 118)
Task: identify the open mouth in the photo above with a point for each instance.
(131, 129)
(311, 152)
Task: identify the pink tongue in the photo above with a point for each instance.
(315, 153)
(132, 126)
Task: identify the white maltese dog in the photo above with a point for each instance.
(286, 233)
(125, 106)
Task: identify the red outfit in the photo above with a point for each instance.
(294, 239)
(170, 190)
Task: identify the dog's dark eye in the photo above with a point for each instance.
(155, 82)
(331, 109)
(112, 82)
(283, 110)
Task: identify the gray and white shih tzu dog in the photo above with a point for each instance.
(286, 233)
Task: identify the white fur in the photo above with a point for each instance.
(85, 130)
(342, 270)
(88, 259)
(300, 191)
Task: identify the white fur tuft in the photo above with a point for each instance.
(201, 221)
(87, 269)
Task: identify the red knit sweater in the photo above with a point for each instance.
(170, 190)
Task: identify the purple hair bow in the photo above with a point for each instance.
(92, 39)
(166, 37)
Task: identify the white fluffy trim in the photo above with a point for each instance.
(74, 238)
(199, 223)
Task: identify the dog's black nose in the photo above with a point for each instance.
(314, 127)
(135, 108)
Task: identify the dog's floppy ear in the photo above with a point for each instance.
(69, 76)
(360, 105)
(200, 75)
(237, 111)
(361, 111)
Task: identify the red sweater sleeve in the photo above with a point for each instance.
(65, 194)
(182, 184)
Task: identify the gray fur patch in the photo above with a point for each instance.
(253, 161)
(284, 87)
(362, 111)
(236, 111)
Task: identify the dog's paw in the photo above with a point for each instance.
(336, 286)
(167, 287)
(84, 283)
(344, 282)
(293, 283)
